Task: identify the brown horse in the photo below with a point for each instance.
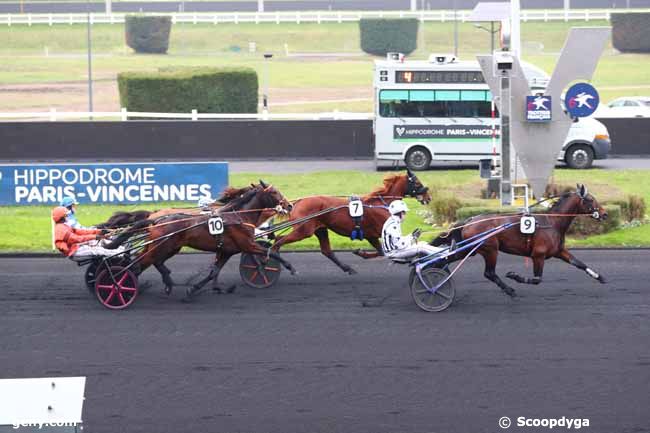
(339, 221)
(123, 219)
(546, 242)
(240, 218)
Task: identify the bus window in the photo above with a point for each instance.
(435, 103)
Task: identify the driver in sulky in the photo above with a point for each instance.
(397, 246)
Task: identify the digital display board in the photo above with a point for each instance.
(416, 77)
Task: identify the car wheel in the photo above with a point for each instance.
(579, 156)
(418, 159)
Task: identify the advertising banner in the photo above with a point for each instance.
(32, 184)
(447, 132)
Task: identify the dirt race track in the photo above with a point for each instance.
(305, 356)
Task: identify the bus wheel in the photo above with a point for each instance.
(418, 158)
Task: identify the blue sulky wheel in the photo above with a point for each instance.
(436, 301)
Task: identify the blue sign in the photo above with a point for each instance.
(25, 184)
(581, 100)
(538, 108)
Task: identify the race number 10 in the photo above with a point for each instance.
(215, 225)
(356, 208)
(527, 225)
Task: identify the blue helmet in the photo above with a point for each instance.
(68, 201)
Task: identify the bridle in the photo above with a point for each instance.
(412, 187)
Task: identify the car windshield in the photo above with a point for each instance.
(646, 103)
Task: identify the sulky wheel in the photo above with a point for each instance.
(116, 291)
(439, 300)
(259, 272)
(90, 275)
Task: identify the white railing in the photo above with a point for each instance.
(298, 17)
(124, 115)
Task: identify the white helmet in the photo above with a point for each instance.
(397, 206)
(205, 201)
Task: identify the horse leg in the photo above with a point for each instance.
(490, 257)
(252, 247)
(165, 273)
(538, 270)
(570, 259)
(326, 249)
(218, 264)
(370, 254)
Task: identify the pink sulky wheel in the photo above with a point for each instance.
(116, 288)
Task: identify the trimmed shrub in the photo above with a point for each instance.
(444, 209)
(581, 226)
(632, 208)
(178, 90)
(383, 35)
(631, 32)
(469, 211)
(147, 34)
(587, 226)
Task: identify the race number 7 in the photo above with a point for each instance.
(356, 208)
(215, 225)
(527, 225)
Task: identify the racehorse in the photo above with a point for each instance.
(546, 242)
(122, 219)
(240, 216)
(339, 221)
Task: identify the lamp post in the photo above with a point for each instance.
(265, 96)
(455, 30)
(90, 60)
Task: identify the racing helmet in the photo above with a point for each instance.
(205, 201)
(397, 206)
(59, 213)
(68, 201)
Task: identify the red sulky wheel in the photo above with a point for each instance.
(118, 291)
(258, 272)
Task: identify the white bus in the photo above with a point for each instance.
(441, 110)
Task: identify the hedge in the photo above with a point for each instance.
(631, 32)
(582, 226)
(147, 34)
(180, 90)
(382, 35)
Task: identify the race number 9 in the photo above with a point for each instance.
(356, 208)
(215, 225)
(527, 225)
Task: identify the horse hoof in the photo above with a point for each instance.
(511, 275)
(351, 271)
(231, 289)
(168, 290)
(602, 280)
(357, 252)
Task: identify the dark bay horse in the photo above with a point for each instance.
(240, 217)
(546, 242)
(339, 220)
(121, 219)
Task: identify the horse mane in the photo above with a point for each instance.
(240, 200)
(560, 201)
(389, 181)
(231, 193)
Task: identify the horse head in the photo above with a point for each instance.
(588, 204)
(270, 197)
(415, 188)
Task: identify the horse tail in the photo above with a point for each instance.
(454, 233)
(128, 234)
(121, 219)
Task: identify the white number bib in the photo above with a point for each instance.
(527, 225)
(215, 225)
(356, 208)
